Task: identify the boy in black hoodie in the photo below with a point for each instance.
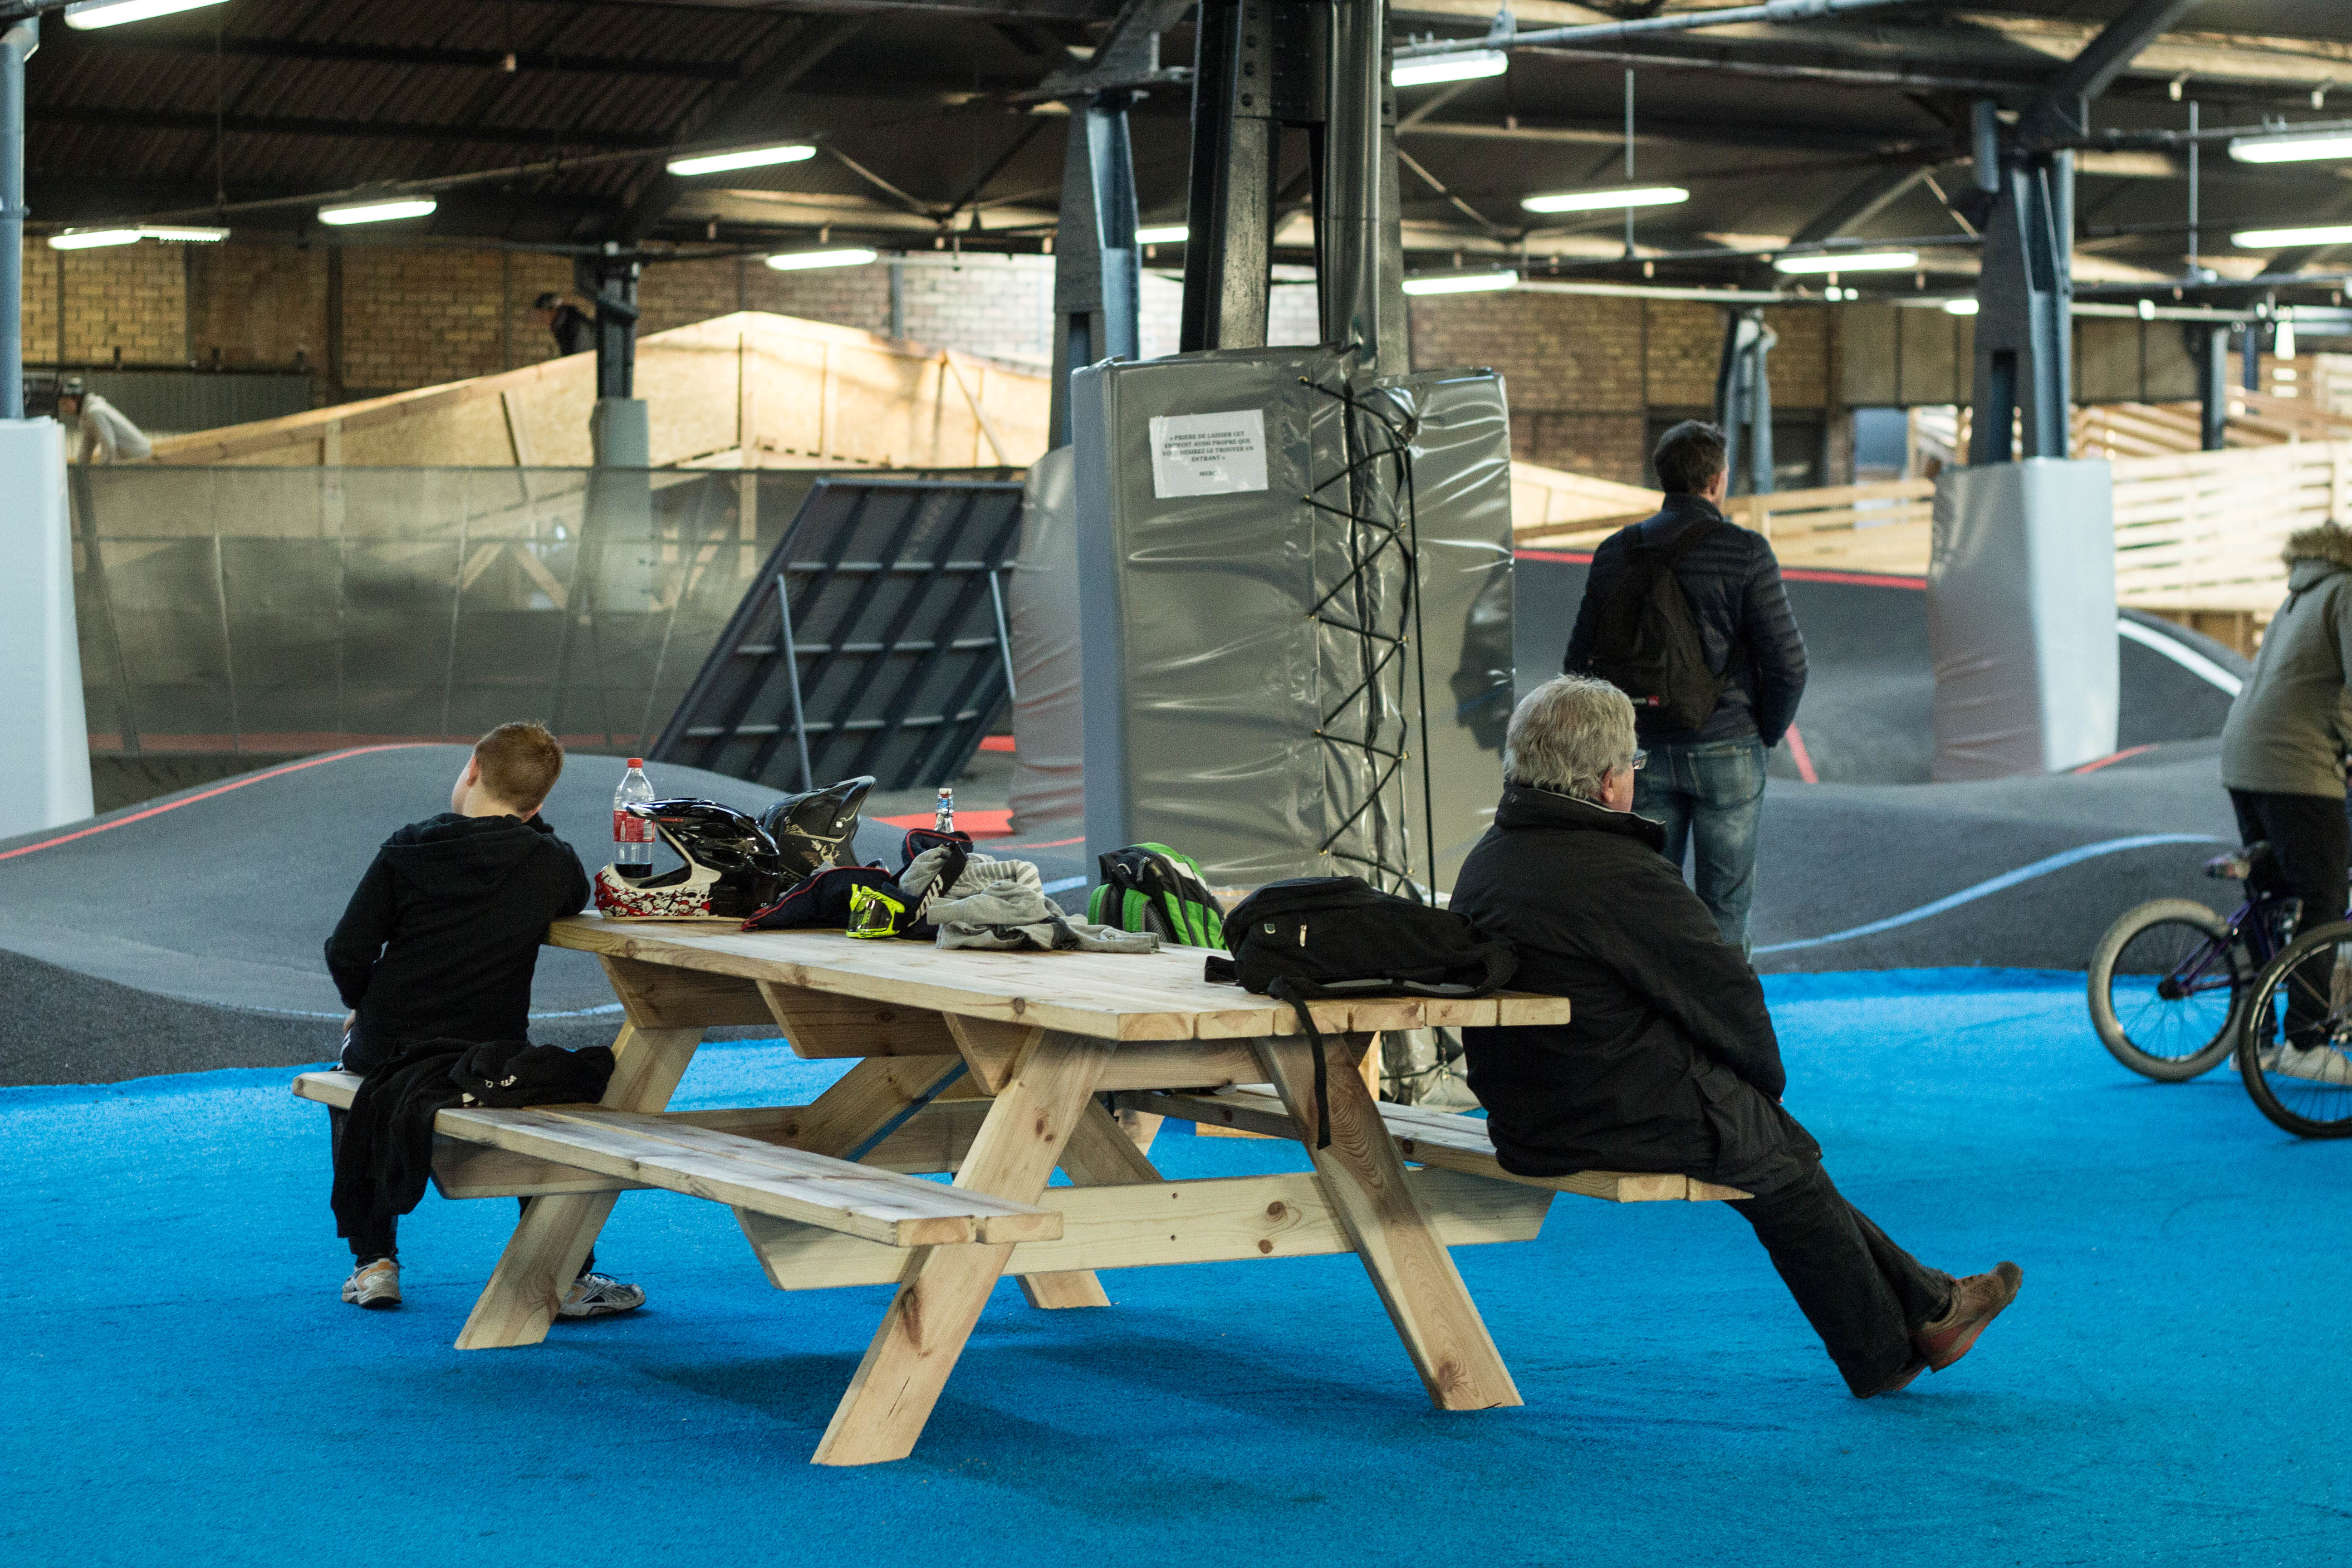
(440, 941)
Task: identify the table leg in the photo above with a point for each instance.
(1100, 1154)
(547, 1248)
(866, 1100)
(1364, 1177)
(941, 1293)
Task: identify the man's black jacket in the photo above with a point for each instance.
(1733, 583)
(1669, 1062)
(442, 938)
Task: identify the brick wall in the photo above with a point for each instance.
(257, 304)
(416, 318)
(1587, 375)
(130, 300)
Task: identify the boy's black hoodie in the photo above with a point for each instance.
(442, 938)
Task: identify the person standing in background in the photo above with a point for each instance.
(107, 434)
(1705, 784)
(574, 329)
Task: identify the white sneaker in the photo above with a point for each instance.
(2320, 1064)
(599, 1296)
(375, 1285)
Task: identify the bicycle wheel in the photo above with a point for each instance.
(2302, 1086)
(2166, 984)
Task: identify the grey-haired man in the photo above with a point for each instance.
(1669, 1062)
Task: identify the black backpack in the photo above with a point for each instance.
(1647, 643)
(1334, 936)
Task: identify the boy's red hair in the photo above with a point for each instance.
(521, 764)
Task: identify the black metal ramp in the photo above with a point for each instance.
(872, 641)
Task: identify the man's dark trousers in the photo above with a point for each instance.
(1863, 1295)
(2310, 846)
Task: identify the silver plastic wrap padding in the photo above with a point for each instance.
(1049, 798)
(1261, 690)
(2022, 618)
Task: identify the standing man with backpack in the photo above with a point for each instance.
(1684, 613)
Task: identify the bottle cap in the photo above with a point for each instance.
(636, 762)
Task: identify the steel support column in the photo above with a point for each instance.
(1229, 219)
(1360, 249)
(1743, 400)
(2210, 348)
(2025, 294)
(16, 45)
(1097, 268)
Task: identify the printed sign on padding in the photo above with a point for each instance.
(1208, 454)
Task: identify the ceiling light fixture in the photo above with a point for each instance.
(1959, 307)
(384, 209)
(801, 260)
(1851, 261)
(1606, 200)
(114, 13)
(2292, 238)
(184, 236)
(2291, 147)
(747, 158)
(1464, 67)
(1163, 234)
(91, 238)
(1461, 283)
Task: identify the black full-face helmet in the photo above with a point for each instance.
(731, 866)
(818, 828)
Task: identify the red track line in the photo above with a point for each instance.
(1573, 557)
(1855, 579)
(1798, 755)
(2112, 758)
(224, 789)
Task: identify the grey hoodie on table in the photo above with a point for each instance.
(1002, 904)
(2291, 723)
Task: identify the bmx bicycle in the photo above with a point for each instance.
(2175, 989)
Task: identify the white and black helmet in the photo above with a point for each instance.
(731, 866)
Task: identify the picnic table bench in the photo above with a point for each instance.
(999, 1069)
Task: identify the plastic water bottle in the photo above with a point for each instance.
(944, 819)
(633, 836)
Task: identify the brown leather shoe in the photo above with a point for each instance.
(1975, 1301)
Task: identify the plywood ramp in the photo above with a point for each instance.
(749, 390)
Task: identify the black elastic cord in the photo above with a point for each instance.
(1283, 990)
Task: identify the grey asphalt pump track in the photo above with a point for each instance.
(185, 932)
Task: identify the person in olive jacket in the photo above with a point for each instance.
(2283, 750)
(1669, 1061)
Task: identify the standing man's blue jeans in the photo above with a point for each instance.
(1709, 797)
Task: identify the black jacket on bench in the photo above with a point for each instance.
(442, 937)
(1669, 1062)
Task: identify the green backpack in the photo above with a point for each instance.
(1150, 886)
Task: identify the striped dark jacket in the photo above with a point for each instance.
(1733, 582)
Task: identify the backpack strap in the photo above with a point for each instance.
(1284, 989)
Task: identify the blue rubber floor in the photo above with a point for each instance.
(182, 1385)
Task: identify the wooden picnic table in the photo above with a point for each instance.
(998, 1066)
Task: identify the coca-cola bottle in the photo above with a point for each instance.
(632, 834)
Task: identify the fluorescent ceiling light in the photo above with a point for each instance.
(2292, 238)
(89, 238)
(799, 260)
(1461, 283)
(380, 211)
(1959, 307)
(114, 13)
(1163, 234)
(749, 158)
(1449, 67)
(1853, 262)
(185, 235)
(1605, 201)
(2291, 148)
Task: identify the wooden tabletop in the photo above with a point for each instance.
(1108, 995)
